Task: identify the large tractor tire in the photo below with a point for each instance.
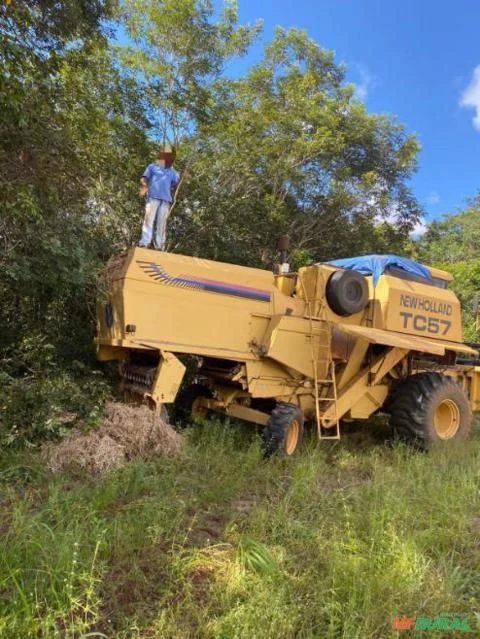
(429, 408)
(284, 430)
(186, 404)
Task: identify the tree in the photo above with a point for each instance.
(72, 145)
(44, 28)
(177, 50)
(454, 245)
(289, 149)
(455, 238)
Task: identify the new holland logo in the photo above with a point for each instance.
(158, 273)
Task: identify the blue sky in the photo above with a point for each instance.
(413, 58)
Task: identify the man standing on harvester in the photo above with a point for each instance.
(157, 183)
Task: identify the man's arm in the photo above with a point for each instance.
(144, 180)
(143, 186)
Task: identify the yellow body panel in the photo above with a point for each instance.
(261, 336)
(410, 342)
(417, 309)
(293, 340)
(167, 381)
(170, 315)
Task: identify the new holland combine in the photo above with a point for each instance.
(336, 341)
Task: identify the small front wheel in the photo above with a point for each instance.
(284, 430)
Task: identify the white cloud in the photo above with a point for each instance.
(471, 97)
(419, 229)
(391, 218)
(367, 82)
(433, 198)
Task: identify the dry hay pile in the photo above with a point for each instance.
(127, 432)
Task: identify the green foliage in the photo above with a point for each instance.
(454, 244)
(179, 48)
(218, 542)
(255, 556)
(34, 408)
(72, 145)
(49, 27)
(289, 149)
(456, 237)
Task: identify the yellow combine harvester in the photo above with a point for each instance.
(325, 344)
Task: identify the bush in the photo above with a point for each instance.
(45, 406)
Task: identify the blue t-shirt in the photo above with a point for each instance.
(160, 181)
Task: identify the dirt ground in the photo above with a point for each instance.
(127, 432)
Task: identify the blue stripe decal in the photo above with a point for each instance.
(156, 272)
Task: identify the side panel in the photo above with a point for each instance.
(370, 402)
(110, 313)
(267, 378)
(296, 342)
(475, 388)
(184, 304)
(168, 379)
(469, 378)
(418, 309)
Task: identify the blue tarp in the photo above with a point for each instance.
(375, 265)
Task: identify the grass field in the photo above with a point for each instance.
(217, 542)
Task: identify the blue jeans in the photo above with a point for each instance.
(159, 210)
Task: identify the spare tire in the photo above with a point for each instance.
(347, 292)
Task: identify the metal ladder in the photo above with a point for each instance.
(325, 389)
(326, 384)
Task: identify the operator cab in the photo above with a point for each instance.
(439, 278)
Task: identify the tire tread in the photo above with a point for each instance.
(408, 409)
(277, 426)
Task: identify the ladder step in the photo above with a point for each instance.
(324, 364)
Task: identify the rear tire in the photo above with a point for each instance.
(429, 408)
(284, 430)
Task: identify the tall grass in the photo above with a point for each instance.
(218, 542)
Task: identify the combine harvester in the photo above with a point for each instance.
(336, 341)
